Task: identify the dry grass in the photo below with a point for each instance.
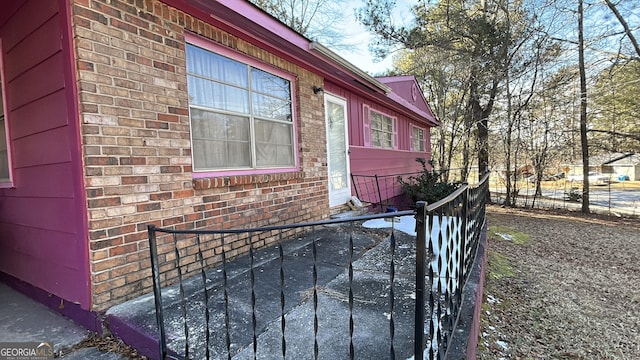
(108, 345)
(570, 290)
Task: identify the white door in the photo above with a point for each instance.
(337, 150)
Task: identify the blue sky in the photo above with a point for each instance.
(595, 18)
(360, 56)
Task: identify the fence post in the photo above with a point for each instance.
(355, 186)
(421, 252)
(379, 193)
(463, 242)
(156, 291)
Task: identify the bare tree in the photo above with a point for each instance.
(318, 20)
(481, 32)
(583, 111)
(441, 75)
(625, 25)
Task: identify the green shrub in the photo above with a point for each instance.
(427, 186)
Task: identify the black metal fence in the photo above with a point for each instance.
(385, 191)
(618, 199)
(454, 227)
(320, 289)
(381, 191)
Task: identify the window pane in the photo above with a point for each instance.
(216, 67)
(388, 124)
(376, 123)
(266, 83)
(381, 130)
(387, 143)
(375, 138)
(226, 139)
(272, 108)
(274, 144)
(381, 139)
(214, 95)
(418, 139)
(220, 141)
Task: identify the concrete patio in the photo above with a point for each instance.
(23, 319)
(135, 321)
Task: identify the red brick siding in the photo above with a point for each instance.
(136, 146)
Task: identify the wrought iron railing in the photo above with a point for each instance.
(381, 191)
(317, 289)
(384, 191)
(453, 228)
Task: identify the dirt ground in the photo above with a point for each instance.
(561, 286)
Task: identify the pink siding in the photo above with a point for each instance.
(365, 160)
(368, 161)
(43, 234)
(406, 88)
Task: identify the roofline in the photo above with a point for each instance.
(430, 115)
(252, 12)
(592, 159)
(250, 23)
(622, 156)
(326, 52)
(397, 78)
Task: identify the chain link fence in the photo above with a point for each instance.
(613, 198)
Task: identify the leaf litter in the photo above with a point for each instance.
(570, 290)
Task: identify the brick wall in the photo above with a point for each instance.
(135, 127)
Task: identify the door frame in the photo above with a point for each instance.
(342, 196)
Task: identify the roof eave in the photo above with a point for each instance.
(270, 33)
(327, 53)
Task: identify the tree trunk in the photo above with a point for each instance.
(464, 174)
(583, 112)
(483, 147)
(477, 116)
(507, 200)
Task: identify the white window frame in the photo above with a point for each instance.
(5, 182)
(250, 63)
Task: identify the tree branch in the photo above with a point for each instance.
(624, 25)
(615, 133)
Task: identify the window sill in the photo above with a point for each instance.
(236, 180)
(7, 185)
